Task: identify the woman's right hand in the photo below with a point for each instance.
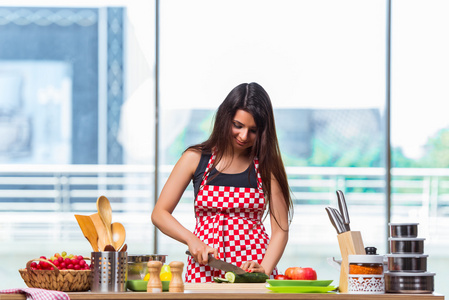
(200, 251)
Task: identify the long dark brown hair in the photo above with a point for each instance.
(252, 98)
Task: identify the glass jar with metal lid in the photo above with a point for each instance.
(366, 264)
(366, 274)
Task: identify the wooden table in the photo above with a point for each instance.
(232, 292)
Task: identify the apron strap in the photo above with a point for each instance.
(211, 162)
(259, 178)
(207, 171)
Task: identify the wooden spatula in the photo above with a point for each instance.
(101, 231)
(89, 231)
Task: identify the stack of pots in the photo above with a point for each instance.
(407, 263)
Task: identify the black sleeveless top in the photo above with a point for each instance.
(247, 178)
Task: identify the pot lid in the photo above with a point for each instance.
(366, 259)
(407, 274)
(406, 239)
(407, 255)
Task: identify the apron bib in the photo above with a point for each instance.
(230, 220)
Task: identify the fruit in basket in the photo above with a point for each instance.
(48, 274)
(62, 262)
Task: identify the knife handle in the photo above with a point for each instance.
(343, 209)
(338, 220)
(332, 219)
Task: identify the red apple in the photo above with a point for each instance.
(303, 274)
(281, 277)
(289, 272)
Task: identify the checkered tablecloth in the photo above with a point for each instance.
(38, 294)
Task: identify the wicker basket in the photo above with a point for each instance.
(58, 280)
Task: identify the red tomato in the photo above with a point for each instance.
(303, 274)
(281, 277)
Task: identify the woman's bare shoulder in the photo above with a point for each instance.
(193, 154)
(190, 159)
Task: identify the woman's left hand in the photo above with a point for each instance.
(252, 267)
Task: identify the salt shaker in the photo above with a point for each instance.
(154, 283)
(176, 283)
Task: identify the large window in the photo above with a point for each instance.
(76, 121)
(98, 98)
(420, 126)
(324, 68)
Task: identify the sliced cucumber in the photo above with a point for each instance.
(246, 278)
(230, 276)
(220, 280)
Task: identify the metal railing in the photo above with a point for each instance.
(43, 198)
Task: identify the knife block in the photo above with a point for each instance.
(350, 243)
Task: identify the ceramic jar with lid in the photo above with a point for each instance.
(366, 274)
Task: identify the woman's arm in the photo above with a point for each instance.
(169, 198)
(279, 233)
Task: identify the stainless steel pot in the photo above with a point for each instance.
(407, 262)
(407, 245)
(138, 265)
(403, 230)
(409, 283)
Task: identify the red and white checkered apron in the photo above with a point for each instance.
(229, 219)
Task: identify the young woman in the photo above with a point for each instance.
(238, 177)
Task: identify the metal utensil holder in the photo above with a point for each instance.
(109, 271)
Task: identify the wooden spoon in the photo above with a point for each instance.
(109, 248)
(105, 212)
(101, 231)
(118, 235)
(89, 231)
(124, 248)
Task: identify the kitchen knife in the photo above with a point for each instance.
(332, 218)
(338, 220)
(343, 209)
(222, 265)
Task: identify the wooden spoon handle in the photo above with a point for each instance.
(105, 212)
(108, 231)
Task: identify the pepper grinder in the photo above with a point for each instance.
(154, 283)
(176, 283)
